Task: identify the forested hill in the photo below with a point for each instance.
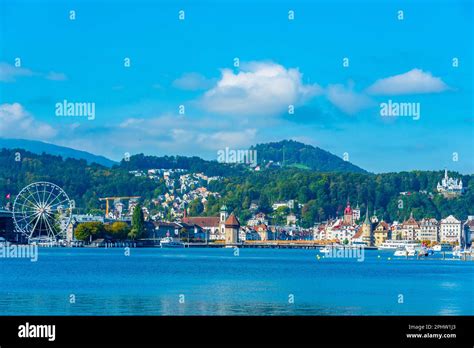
(321, 195)
(294, 154)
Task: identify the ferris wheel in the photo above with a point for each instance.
(42, 211)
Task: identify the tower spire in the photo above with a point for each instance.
(367, 215)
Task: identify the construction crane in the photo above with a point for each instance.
(107, 199)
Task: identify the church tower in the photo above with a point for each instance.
(232, 226)
(348, 217)
(223, 214)
(222, 218)
(367, 235)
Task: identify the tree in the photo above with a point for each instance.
(196, 207)
(138, 223)
(87, 229)
(184, 233)
(118, 230)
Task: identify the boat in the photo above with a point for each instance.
(457, 251)
(405, 251)
(169, 242)
(329, 248)
(325, 250)
(443, 247)
(400, 252)
(422, 251)
(397, 244)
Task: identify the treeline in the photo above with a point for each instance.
(321, 195)
(82, 182)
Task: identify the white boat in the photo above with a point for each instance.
(325, 250)
(457, 251)
(443, 247)
(329, 248)
(405, 251)
(169, 242)
(397, 244)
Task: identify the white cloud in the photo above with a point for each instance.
(346, 99)
(193, 82)
(415, 81)
(259, 88)
(8, 73)
(16, 122)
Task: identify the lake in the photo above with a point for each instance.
(214, 281)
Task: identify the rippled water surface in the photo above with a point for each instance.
(216, 282)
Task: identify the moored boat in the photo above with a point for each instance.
(169, 242)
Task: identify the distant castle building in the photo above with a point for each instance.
(450, 187)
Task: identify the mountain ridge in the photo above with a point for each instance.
(288, 153)
(38, 147)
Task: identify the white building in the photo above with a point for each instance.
(449, 186)
(429, 230)
(450, 230)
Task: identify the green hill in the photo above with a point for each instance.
(293, 153)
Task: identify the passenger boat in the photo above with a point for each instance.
(397, 244)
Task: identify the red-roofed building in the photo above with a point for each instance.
(213, 225)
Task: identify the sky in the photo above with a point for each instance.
(323, 74)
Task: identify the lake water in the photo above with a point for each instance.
(216, 282)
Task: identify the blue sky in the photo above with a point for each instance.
(283, 62)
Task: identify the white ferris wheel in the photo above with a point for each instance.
(42, 211)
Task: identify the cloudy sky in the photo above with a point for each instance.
(283, 64)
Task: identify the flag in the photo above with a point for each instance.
(8, 196)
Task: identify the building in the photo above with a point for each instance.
(257, 219)
(7, 229)
(429, 230)
(356, 213)
(348, 214)
(450, 187)
(232, 226)
(262, 231)
(79, 219)
(467, 238)
(410, 228)
(381, 233)
(374, 219)
(366, 230)
(214, 226)
(450, 230)
(396, 230)
(291, 219)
